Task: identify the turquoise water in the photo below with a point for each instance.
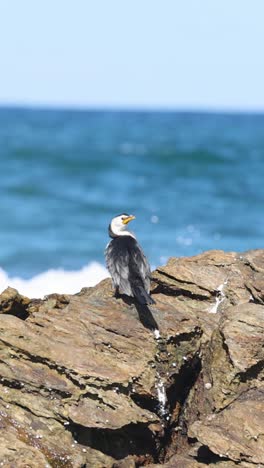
(194, 181)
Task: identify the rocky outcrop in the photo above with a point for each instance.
(85, 381)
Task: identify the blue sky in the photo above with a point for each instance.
(191, 54)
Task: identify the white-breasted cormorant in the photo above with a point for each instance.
(126, 261)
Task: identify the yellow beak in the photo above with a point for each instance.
(128, 219)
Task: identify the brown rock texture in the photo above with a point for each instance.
(86, 382)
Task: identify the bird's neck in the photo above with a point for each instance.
(123, 233)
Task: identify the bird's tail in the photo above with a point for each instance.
(141, 295)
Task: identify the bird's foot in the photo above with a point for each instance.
(116, 294)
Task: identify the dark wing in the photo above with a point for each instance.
(117, 260)
(139, 275)
(125, 260)
(139, 264)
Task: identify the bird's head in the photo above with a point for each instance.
(118, 225)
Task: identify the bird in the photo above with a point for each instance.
(126, 262)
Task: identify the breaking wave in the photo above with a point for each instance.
(55, 281)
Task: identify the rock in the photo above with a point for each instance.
(11, 302)
(237, 431)
(85, 381)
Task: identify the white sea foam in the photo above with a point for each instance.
(55, 281)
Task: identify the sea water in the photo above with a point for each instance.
(194, 181)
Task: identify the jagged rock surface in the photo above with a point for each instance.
(83, 378)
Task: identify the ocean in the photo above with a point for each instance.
(194, 181)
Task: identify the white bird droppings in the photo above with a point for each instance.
(162, 397)
(220, 296)
(207, 385)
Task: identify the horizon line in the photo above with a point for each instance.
(126, 108)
